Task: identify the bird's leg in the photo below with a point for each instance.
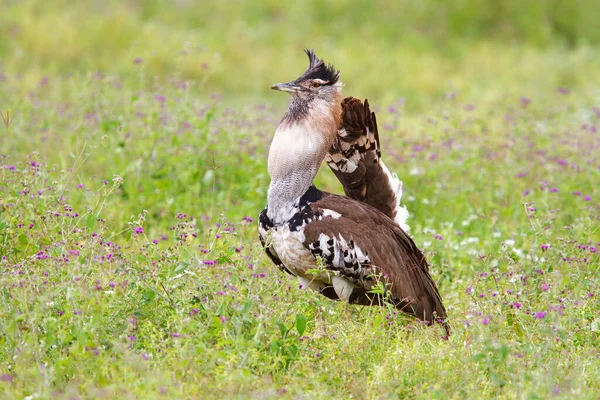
(343, 287)
(312, 284)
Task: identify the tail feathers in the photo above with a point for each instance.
(355, 158)
(425, 303)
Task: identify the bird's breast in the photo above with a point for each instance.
(289, 247)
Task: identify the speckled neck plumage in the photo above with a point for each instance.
(297, 150)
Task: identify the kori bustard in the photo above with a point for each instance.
(357, 241)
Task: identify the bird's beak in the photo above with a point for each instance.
(289, 87)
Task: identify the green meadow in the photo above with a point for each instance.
(133, 144)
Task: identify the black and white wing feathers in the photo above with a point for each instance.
(355, 158)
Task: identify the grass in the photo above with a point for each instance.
(129, 265)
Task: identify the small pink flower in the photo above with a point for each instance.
(545, 287)
(540, 314)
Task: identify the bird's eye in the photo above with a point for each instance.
(315, 84)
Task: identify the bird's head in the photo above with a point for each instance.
(318, 82)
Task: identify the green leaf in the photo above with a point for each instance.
(181, 267)
(90, 221)
(300, 324)
(282, 329)
(148, 295)
(23, 239)
(275, 346)
(293, 350)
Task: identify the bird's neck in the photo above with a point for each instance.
(297, 150)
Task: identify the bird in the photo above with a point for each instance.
(353, 248)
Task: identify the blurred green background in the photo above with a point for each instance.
(385, 49)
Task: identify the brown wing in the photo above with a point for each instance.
(355, 158)
(363, 242)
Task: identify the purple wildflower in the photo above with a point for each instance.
(545, 287)
(540, 314)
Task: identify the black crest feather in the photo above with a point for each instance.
(317, 69)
